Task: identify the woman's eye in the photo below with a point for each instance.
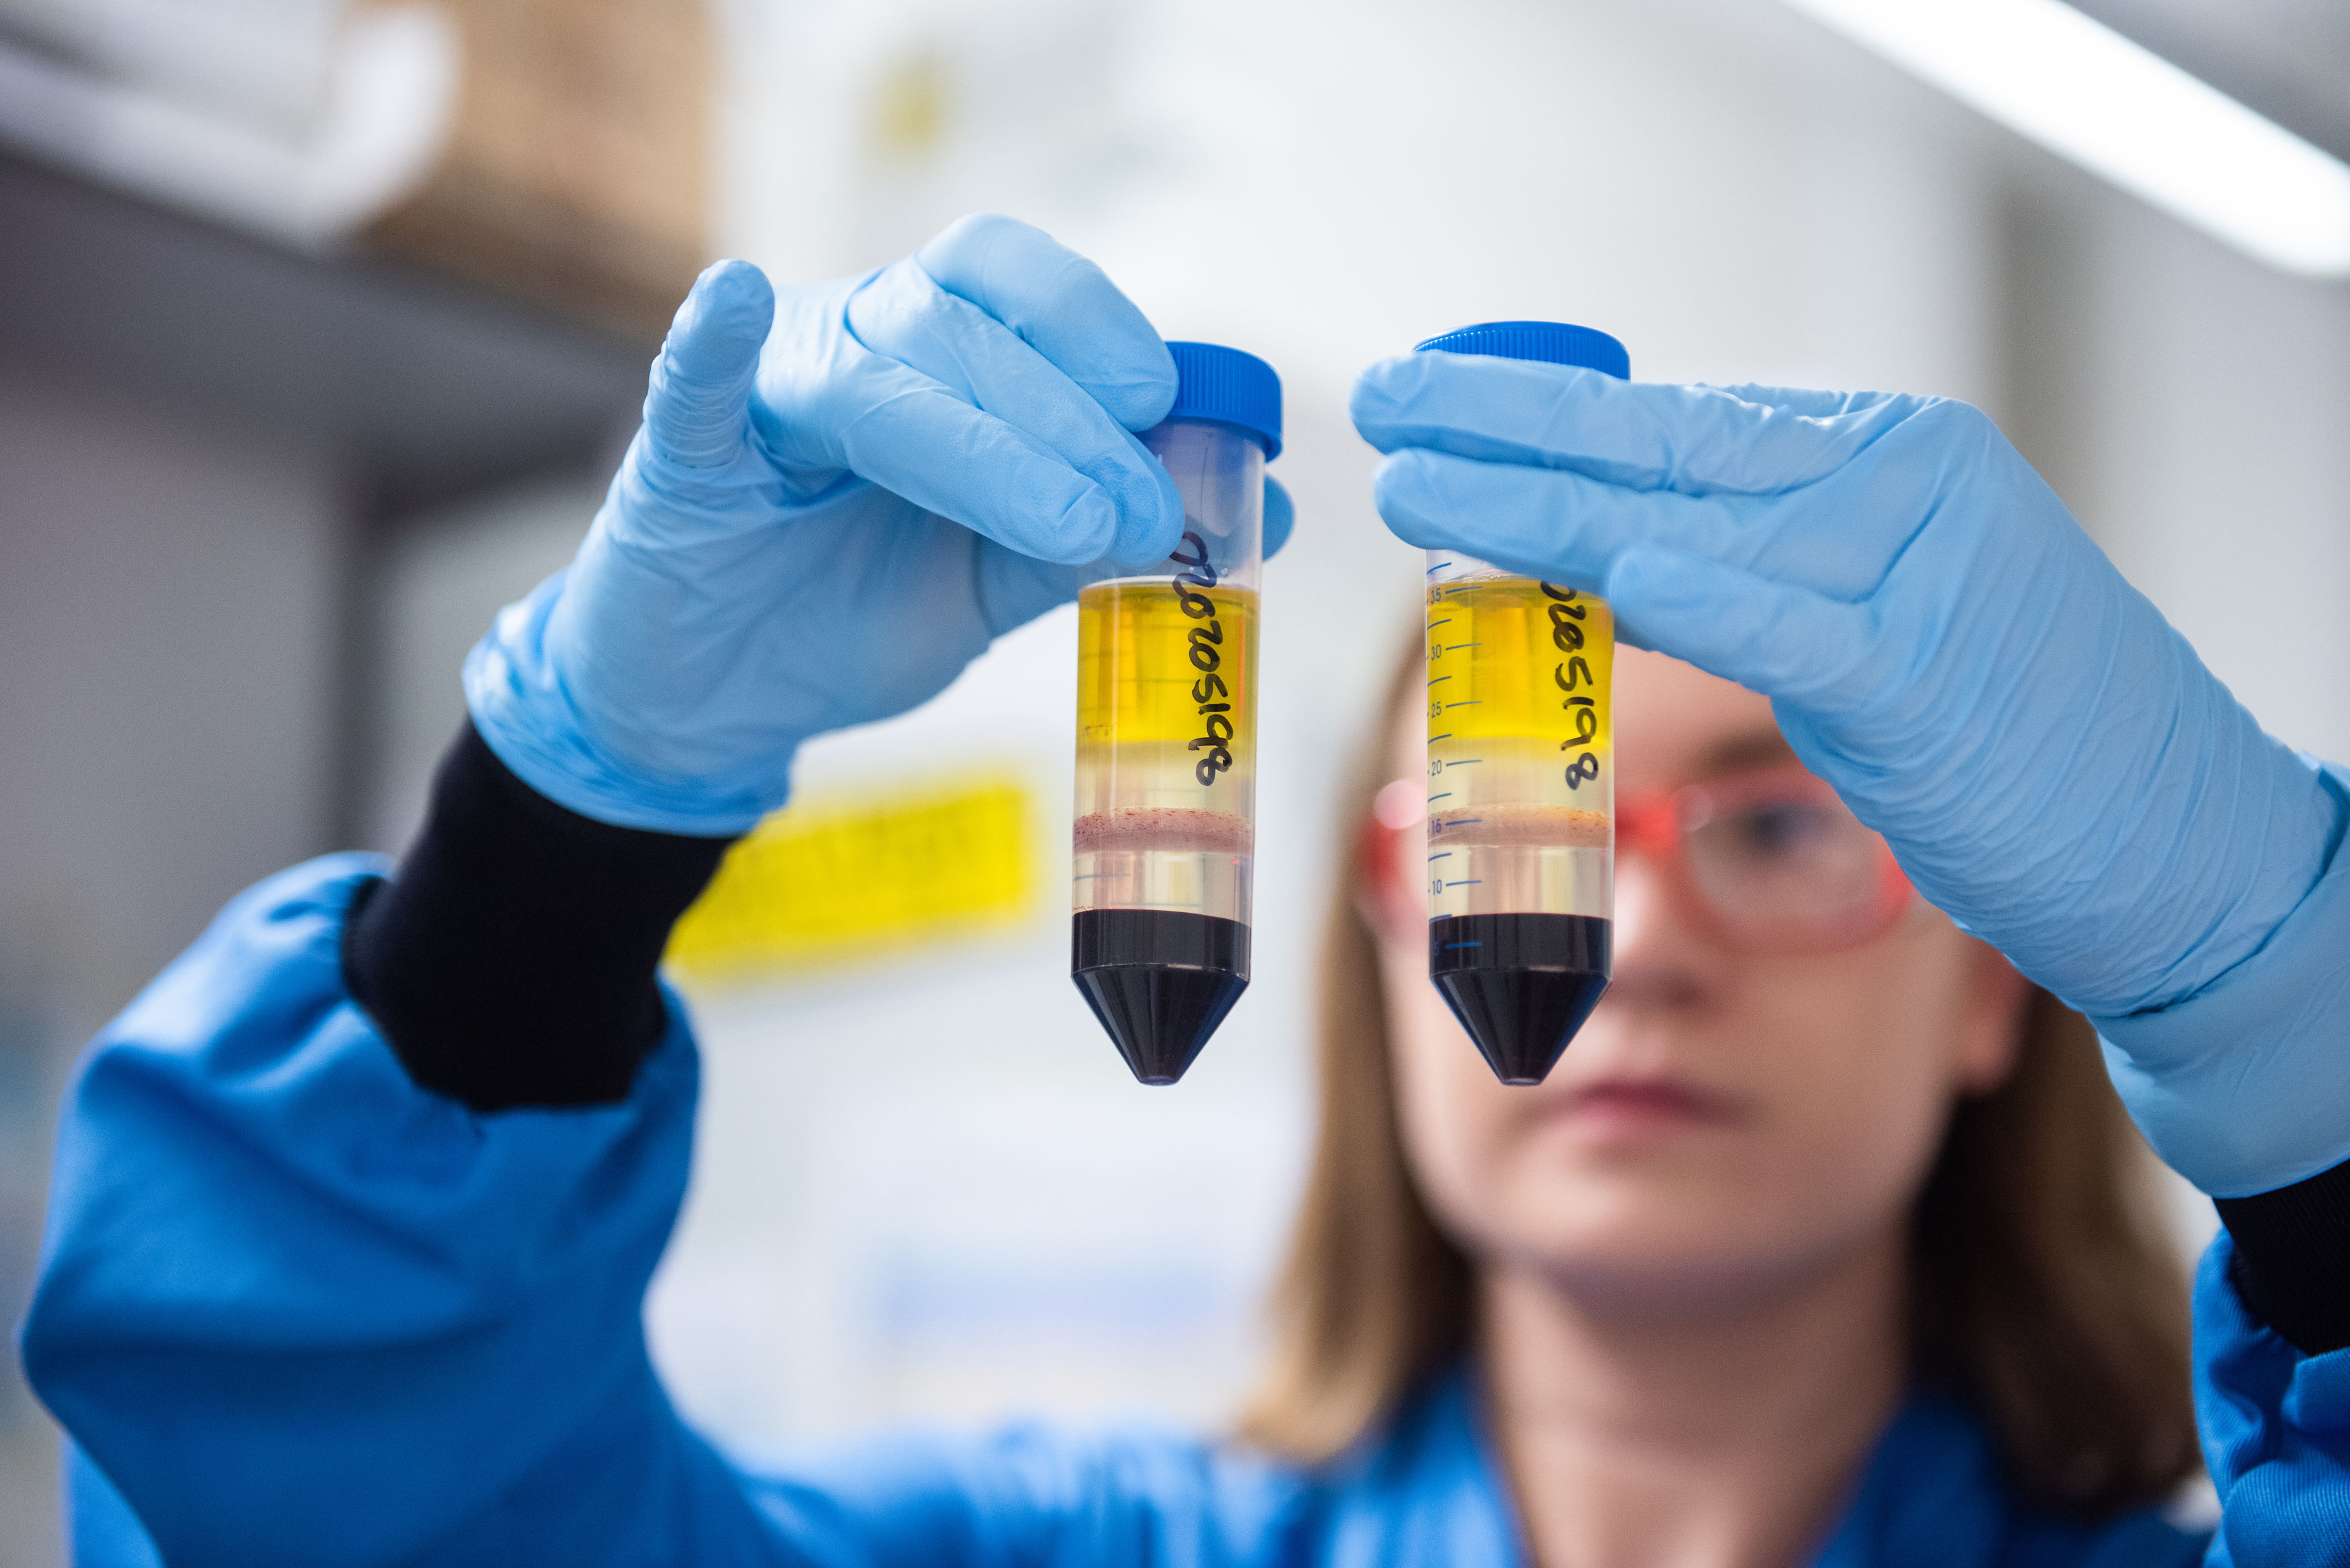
(1782, 830)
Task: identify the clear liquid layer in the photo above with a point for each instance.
(1521, 753)
(1166, 785)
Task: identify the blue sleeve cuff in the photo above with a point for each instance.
(2244, 1088)
(295, 1309)
(2275, 1425)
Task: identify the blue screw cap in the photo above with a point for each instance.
(1552, 342)
(1225, 386)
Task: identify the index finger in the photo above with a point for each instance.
(1642, 435)
(1062, 305)
(904, 316)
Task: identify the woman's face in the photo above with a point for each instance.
(1726, 1125)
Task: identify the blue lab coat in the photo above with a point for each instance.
(294, 1309)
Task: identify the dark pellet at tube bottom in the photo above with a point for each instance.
(1160, 981)
(1520, 984)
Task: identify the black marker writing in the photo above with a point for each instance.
(1573, 674)
(1207, 656)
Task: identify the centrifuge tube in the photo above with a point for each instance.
(1166, 777)
(1520, 774)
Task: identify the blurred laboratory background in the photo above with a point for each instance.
(322, 323)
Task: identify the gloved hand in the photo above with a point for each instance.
(2049, 760)
(826, 532)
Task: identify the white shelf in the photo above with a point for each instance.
(427, 389)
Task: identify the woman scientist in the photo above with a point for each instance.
(1811, 1250)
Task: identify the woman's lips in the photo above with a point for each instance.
(1613, 1105)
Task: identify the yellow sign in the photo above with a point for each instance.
(836, 880)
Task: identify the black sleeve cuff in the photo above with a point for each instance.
(510, 962)
(2292, 1266)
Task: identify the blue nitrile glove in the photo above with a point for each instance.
(825, 532)
(2050, 761)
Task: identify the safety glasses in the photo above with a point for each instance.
(1763, 861)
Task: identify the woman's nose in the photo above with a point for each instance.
(1640, 902)
(1658, 960)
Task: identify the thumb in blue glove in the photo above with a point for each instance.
(838, 497)
(2048, 758)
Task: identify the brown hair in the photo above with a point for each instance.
(2044, 1290)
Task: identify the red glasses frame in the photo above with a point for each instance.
(1656, 825)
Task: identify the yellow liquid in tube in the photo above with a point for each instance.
(1520, 749)
(1166, 780)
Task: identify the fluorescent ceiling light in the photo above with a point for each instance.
(2086, 93)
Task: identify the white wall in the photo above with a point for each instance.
(210, 542)
(2216, 441)
(433, 591)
